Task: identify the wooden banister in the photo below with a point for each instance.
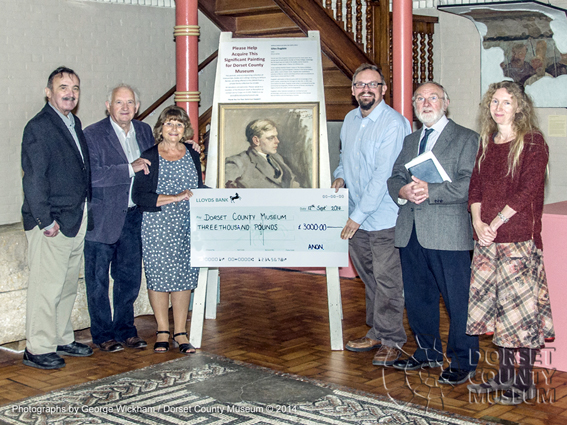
(203, 136)
(311, 16)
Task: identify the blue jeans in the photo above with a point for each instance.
(124, 260)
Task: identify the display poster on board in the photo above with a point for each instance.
(273, 70)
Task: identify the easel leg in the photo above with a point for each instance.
(335, 308)
(198, 314)
(212, 294)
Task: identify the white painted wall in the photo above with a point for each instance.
(104, 43)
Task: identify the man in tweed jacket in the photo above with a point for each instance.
(434, 234)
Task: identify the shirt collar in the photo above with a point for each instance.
(262, 154)
(439, 125)
(120, 130)
(375, 112)
(69, 120)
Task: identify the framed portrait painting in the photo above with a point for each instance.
(269, 145)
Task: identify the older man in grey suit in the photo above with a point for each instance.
(434, 234)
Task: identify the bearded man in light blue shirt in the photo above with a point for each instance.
(371, 139)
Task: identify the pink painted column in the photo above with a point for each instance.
(186, 32)
(402, 29)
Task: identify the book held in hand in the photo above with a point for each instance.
(426, 167)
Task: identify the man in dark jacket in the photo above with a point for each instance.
(115, 244)
(57, 187)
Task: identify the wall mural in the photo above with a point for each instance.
(525, 42)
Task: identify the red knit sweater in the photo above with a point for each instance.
(523, 193)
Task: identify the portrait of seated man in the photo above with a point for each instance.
(260, 166)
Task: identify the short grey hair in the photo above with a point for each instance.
(123, 86)
(445, 94)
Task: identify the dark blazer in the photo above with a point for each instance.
(248, 169)
(111, 177)
(56, 180)
(442, 221)
(145, 185)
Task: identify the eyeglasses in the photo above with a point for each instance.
(173, 124)
(430, 99)
(370, 85)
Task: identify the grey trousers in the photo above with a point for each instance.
(377, 262)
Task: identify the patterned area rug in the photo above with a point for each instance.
(207, 389)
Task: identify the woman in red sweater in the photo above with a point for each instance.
(508, 293)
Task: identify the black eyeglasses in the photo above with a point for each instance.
(370, 85)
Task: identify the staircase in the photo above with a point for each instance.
(345, 34)
(294, 18)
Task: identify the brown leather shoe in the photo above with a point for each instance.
(110, 346)
(386, 356)
(135, 342)
(363, 344)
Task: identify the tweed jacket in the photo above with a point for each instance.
(442, 221)
(111, 177)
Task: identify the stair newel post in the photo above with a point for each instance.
(186, 33)
(415, 56)
(358, 35)
(349, 18)
(329, 8)
(402, 28)
(380, 42)
(429, 36)
(339, 18)
(422, 56)
(369, 30)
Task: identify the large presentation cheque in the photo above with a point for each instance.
(268, 228)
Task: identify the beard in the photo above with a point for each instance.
(366, 104)
(430, 117)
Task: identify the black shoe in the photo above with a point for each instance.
(185, 347)
(135, 342)
(75, 349)
(414, 364)
(43, 361)
(110, 346)
(515, 396)
(455, 376)
(162, 346)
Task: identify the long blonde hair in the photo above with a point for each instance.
(524, 125)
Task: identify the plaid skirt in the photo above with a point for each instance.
(508, 295)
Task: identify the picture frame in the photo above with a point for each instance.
(297, 153)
